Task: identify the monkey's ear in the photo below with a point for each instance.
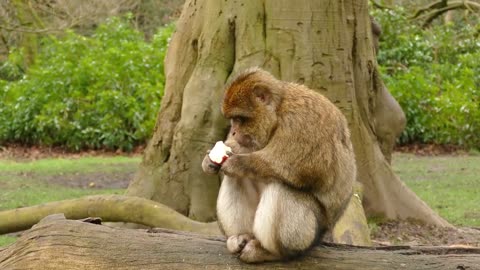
(263, 94)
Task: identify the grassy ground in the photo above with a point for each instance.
(5, 240)
(448, 184)
(30, 183)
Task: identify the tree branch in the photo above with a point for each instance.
(433, 5)
(29, 30)
(379, 5)
(429, 12)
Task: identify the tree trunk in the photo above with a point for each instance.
(56, 243)
(27, 17)
(324, 44)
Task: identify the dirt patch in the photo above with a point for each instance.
(100, 180)
(413, 234)
(20, 152)
(90, 180)
(431, 149)
(24, 153)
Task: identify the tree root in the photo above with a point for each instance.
(110, 208)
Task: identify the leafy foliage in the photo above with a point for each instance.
(435, 76)
(101, 91)
(12, 69)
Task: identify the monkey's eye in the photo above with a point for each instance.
(239, 119)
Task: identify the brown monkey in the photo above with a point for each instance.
(292, 169)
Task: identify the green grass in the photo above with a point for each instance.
(5, 240)
(38, 194)
(448, 184)
(55, 166)
(26, 183)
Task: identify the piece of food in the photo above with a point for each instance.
(219, 153)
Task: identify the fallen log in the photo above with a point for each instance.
(57, 243)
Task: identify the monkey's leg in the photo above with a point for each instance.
(236, 205)
(287, 222)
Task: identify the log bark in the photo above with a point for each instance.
(57, 243)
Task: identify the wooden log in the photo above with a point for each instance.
(57, 243)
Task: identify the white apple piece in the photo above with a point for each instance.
(219, 153)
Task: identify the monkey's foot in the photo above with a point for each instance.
(236, 243)
(253, 252)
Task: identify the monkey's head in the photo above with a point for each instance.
(251, 101)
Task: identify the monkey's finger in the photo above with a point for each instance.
(214, 166)
(229, 153)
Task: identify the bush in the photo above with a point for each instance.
(435, 76)
(94, 92)
(12, 69)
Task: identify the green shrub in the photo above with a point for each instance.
(101, 91)
(435, 76)
(12, 69)
(402, 43)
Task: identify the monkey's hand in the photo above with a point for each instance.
(219, 153)
(234, 166)
(252, 166)
(209, 166)
(216, 157)
(213, 160)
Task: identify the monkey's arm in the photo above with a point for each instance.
(259, 165)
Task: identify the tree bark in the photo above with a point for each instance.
(352, 227)
(324, 44)
(56, 243)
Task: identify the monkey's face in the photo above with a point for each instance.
(252, 132)
(251, 108)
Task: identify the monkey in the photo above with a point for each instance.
(292, 170)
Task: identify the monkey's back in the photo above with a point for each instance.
(324, 154)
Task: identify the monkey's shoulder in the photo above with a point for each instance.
(308, 106)
(306, 96)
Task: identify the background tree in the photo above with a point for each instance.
(426, 11)
(327, 45)
(24, 20)
(433, 10)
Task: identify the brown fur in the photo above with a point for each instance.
(292, 171)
